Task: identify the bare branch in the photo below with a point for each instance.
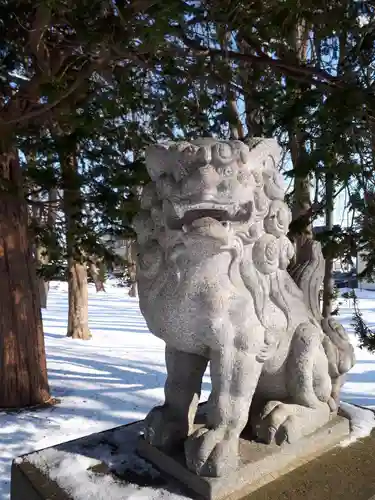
(41, 23)
(315, 75)
(44, 108)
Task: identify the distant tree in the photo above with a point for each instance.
(49, 52)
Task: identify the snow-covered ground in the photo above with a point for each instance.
(116, 377)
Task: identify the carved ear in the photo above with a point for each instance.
(158, 160)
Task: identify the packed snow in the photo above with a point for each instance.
(78, 469)
(118, 376)
(362, 421)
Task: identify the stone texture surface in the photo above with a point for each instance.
(339, 474)
(103, 465)
(28, 483)
(213, 284)
(259, 463)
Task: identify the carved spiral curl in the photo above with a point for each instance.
(252, 235)
(266, 254)
(286, 252)
(278, 219)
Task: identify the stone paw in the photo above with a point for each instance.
(286, 423)
(163, 430)
(210, 452)
(277, 424)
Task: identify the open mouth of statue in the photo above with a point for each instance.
(201, 216)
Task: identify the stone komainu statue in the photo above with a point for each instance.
(214, 285)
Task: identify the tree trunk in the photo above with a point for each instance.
(41, 253)
(78, 321)
(43, 289)
(301, 229)
(77, 271)
(95, 276)
(302, 205)
(38, 220)
(249, 77)
(236, 128)
(328, 284)
(41, 258)
(133, 291)
(23, 370)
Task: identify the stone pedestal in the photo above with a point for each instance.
(106, 465)
(260, 463)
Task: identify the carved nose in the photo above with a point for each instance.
(204, 180)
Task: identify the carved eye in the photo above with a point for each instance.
(224, 150)
(226, 171)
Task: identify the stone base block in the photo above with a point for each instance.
(260, 463)
(106, 465)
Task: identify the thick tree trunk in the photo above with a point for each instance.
(78, 320)
(23, 371)
(95, 276)
(77, 270)
(328, 284)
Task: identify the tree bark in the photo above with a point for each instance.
(41, 253)
(51, 221)
(41, 258)
(38, 220)
(302, 204)
(77, 271)
(78, 320)
(328, 284)
(23, 370)
(302, 182)
(95, 276)
(249, 77)
(236, 128)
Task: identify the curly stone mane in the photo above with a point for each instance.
(261, 250)
(261, 254)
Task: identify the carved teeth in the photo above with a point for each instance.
(184, 229)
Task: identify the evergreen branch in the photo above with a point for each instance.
(361, 329)
(262, 59)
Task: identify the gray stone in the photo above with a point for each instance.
(213, 284)
(103, 465)
(259, 463)
(106, 466)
